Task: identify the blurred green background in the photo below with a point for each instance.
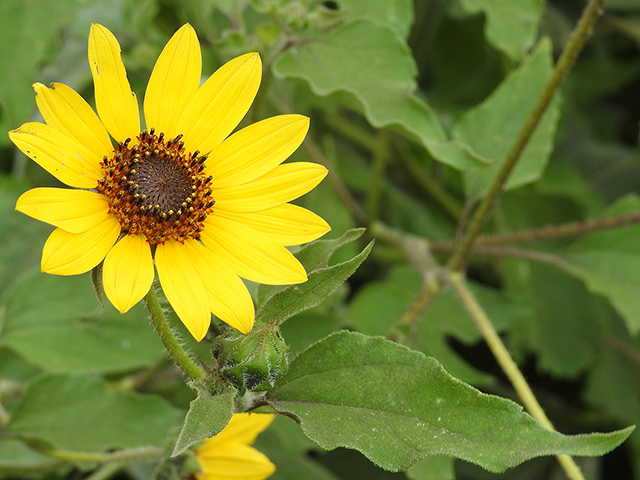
(409, 103)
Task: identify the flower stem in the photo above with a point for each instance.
(569, 54)
(95, 457)
(175, 350)
(456, 281)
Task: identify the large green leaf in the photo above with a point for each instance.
(80, 413)
(491, 128)
(373, 65)
(511, 26)
(396, 406)
(608, 262)
(207, 416)
(58, 324)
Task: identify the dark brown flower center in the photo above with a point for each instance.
(157, 190)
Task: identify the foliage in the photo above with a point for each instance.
(414, 107)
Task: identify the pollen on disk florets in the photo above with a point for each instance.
(156, 189)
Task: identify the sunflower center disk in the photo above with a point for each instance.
(157, 190)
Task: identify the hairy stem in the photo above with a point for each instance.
(171, 343)
(566, 60)
(500, 352)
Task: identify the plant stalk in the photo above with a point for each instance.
(565, 62)
(500, 352)
(171, 343)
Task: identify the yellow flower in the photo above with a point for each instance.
(228, 456)
(204, 206)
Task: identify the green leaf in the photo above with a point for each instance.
(374, 66)
(395, 14)
(491, 128)
(207, 416)
(56, 323)
(18, 459)
(314, 255)
(567, 323)
(396, 406)
(320, 284)
(80, 413)
(317, 254)
(510, 26)
(608, 262)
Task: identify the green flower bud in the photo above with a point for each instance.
(256, 360)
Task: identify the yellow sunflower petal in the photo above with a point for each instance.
(243, 428)
(66, 111)
(220, 103)
(128, 272)
(235, 461)
(115, 102)
(256, 149)
(61, 156)
(183, 287)
(282, 184)
(228, 296)
(67, 254)
(174, 80)
(75, 211)
(286, 224)
(252, 254)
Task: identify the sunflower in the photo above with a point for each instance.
(229, 455)
(203, 205)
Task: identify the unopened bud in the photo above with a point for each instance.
(256, 360)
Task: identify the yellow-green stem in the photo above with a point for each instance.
(380, 159)
(569, 54)
(171, 343)
(96, 457)
(500, 352)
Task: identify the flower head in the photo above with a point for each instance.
(204, 206)
(229, 456)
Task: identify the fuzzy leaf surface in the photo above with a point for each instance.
(207, 416)
(396, 405)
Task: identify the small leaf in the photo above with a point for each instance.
(317, 254)
(312, 256)
(608, 262)
(396, 406)
(80, 413)
(395, 14)
(491, 128)
(321, 283)
(510, 26)
(373, 65)
(207, 416)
